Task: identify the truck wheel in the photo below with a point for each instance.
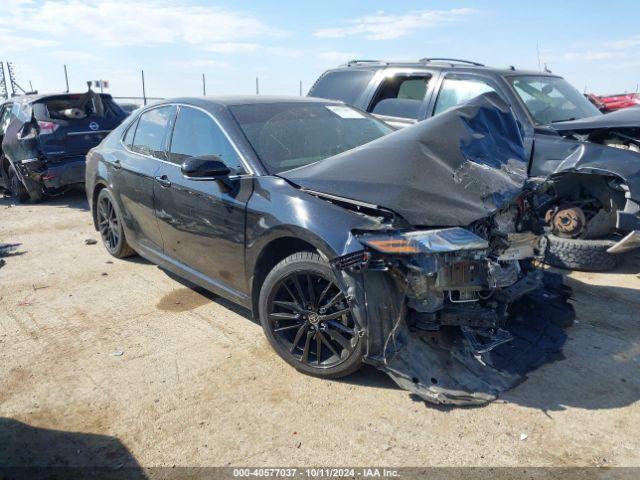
(16, 187)
(307, 320)
(576, 254)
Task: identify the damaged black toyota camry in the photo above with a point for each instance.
(352, 243)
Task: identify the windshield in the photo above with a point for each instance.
(291, 135)
(552, 99)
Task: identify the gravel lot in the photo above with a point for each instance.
(197, 384)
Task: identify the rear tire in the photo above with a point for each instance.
(110, 226)
(576, 254)
(16, 187)
(297, 301)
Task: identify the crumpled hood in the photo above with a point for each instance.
(625, 118)
(450, 170)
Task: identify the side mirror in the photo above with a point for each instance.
(206, 166)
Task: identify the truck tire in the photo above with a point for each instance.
(576, 254)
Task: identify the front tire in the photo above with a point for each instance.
(307, 319)
(110, 226)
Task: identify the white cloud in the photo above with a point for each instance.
(284, 52)
(625, 43)
(200, 63)
(384, 26)
(231, 47)
(75, 56)
(144, 22)
(337, 56)
(14, 43)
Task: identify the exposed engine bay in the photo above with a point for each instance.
(467, 307)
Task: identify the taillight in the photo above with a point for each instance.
(47, 128)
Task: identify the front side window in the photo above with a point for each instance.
(197, 134)
(290, 135)
(151, 132)
(552, 99)
(401, 96)
(457, 90)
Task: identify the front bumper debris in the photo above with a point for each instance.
(445, 321)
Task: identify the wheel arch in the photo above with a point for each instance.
(272, 253)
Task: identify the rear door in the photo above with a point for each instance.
(202, 222)
(133, 170)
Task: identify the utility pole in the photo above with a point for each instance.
(66, 78)
(300, 87)
(3, 82)
(144, 91)
(204, 86)
(12, 79)
(257, 86)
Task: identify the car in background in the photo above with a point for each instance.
(325, 223)
(611, 103)
(45, 139)
(128, 108)
(593, 215)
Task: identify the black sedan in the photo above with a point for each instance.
(351, 242)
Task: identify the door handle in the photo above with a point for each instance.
(164, 181)
(116, 164)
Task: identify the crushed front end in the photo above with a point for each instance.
(455, 315)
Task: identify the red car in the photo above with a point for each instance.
(609, 103)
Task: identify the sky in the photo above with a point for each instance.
(593, 44)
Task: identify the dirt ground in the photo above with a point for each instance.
(115, 362)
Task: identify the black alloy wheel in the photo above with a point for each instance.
(16, 187)
(307, 319)
(110, 226)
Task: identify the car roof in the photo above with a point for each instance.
(235, 100)
(453, 65)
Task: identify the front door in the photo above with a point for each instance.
(134, 170)
(202, 222)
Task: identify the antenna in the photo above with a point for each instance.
(66, 78)
(257, 86)
(204, 86)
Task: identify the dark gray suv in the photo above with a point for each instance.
(592, 215)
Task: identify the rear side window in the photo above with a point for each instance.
(343, 85)
(455, 91)
(151, 132)
(401, 96)
(128, 137)
(196, 134)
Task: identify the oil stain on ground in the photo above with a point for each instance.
(182, 300)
